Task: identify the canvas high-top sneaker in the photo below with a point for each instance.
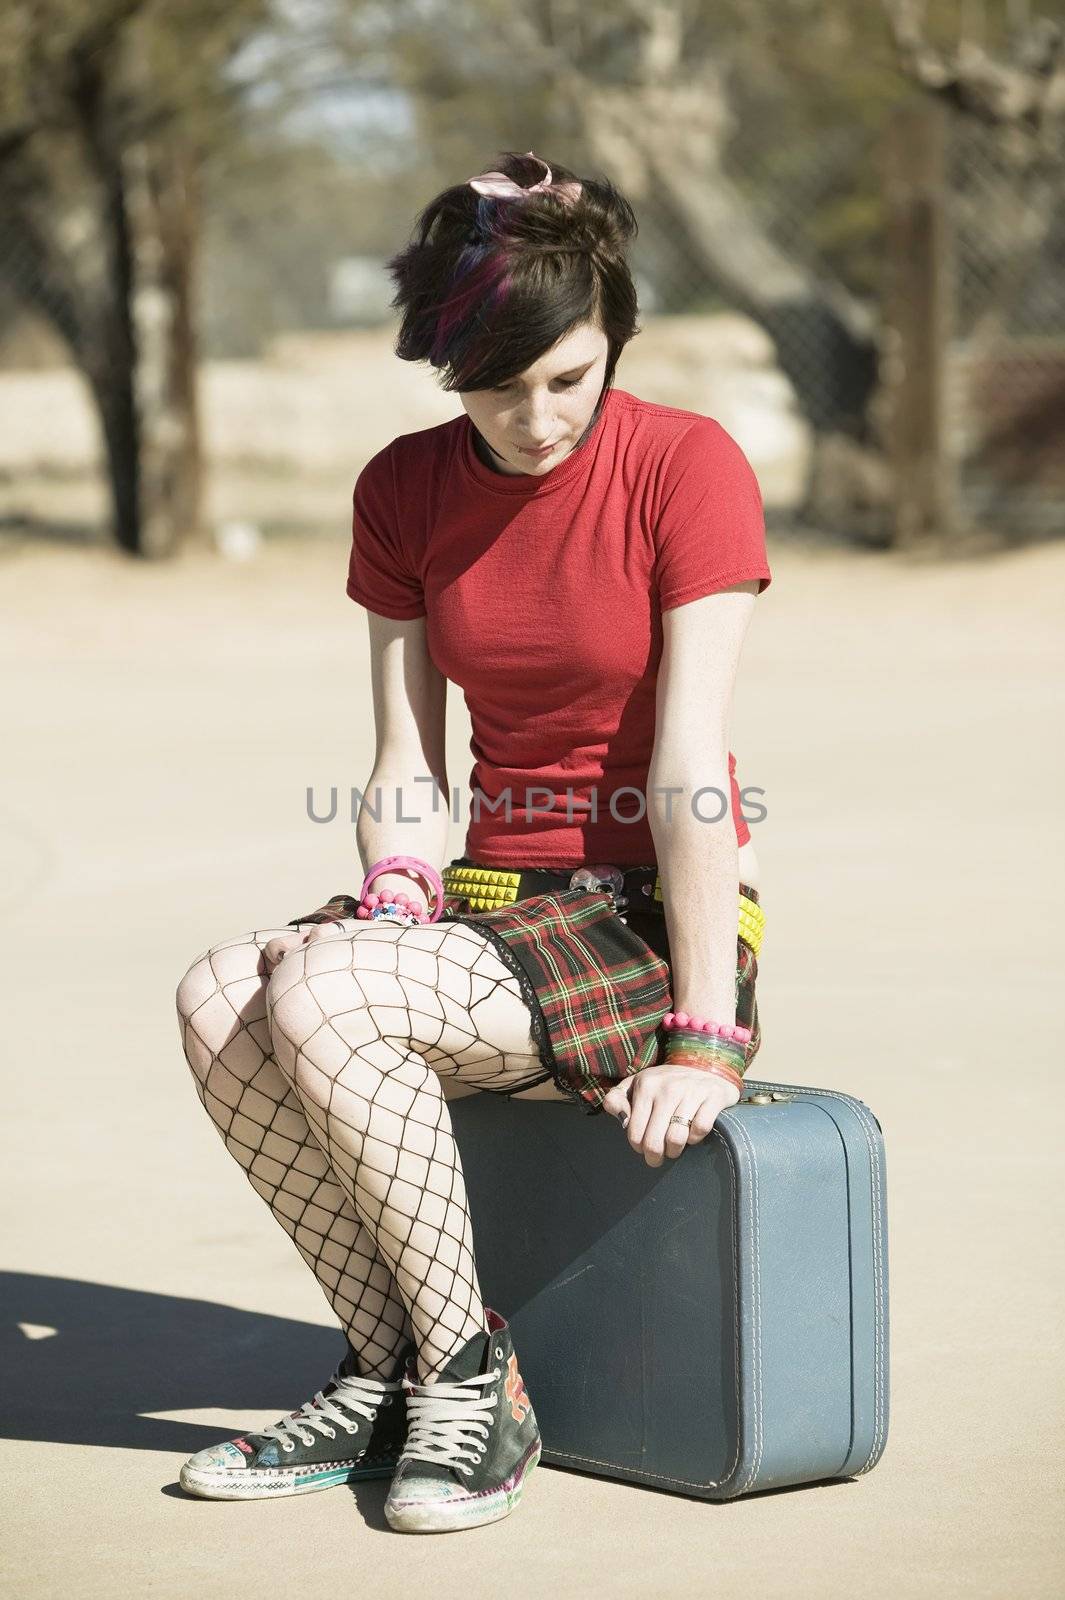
(353, 1428)
(472, 1439)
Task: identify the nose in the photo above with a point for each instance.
(537, 424)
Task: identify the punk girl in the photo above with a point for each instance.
(584, 563)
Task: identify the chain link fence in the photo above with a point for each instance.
(1006, 354)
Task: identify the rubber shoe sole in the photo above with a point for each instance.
(269, 1483)
(447, 1514)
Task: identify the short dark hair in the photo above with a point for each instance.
(486, 286)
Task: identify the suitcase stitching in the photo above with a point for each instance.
(734, 1463)
(756, 1275)
(874, 1161)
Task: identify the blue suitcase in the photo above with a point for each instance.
(714, 1326)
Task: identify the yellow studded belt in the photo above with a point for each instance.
(487, 888)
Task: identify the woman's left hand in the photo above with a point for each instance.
(650, 1097)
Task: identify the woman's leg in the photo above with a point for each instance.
(369, 1025)
(221, 1005)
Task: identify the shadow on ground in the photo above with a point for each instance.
(117, 1353)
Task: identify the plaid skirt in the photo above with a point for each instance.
(597, 982)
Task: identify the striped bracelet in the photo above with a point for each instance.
(718, 1069)
(689, 1047)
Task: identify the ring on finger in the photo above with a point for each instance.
(687, 1121)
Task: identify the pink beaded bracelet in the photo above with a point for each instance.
(721, 1030)
(375, 904)
(378, 905)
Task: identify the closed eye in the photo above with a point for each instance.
(567, 383)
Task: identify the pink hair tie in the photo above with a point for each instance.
(499, 187)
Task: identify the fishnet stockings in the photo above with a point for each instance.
(324, 1080)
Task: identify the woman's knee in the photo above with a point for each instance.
(230, 960)
(195, 987)
(322, 1027)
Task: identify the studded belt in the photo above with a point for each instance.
(631, 888)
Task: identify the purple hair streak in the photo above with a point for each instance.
(480, 279)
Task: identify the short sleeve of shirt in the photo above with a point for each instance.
(710, 526)
(380, 576)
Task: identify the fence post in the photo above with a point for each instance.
(917, 323)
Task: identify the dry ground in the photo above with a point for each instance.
(162, 724)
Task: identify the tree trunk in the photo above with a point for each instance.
(918, 305)
(112, 390)
(110, 343)
(112, 370)
(123, 306)
(164, 206)
(827, 342)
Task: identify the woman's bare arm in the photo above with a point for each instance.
(409, 777)
(697, 856)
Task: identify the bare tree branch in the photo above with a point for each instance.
(1027, 90)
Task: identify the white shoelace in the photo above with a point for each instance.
(445, 1423)
(362, 1395)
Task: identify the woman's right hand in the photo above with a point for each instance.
(309, 933)
(388, 883)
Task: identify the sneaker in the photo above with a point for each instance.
(298, 1453)
(472, 1439)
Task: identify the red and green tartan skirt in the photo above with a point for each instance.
(597, 982)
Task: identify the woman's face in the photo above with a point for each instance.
(550, 403)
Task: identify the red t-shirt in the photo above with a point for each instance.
(543, 599)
